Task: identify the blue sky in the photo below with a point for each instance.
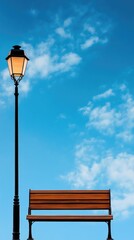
(76, 109)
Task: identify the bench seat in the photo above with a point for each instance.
(69, 218)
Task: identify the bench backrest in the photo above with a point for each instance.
(69, 200)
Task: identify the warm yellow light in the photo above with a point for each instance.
(17, 62)
(17, 66)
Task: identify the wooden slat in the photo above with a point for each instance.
(68, 206)
(49, 196)
(69, 191)
(66, 218)
(69, 200)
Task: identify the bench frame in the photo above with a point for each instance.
(69, 200)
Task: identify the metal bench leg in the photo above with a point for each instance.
(30, 231)
(109, 231)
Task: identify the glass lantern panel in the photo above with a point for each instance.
(9, 61)
(17, 66)
(24, 66)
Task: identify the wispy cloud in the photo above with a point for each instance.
(95, 31)
(105, 170)
(67, 22)
(103, 118)
(90, 42)
(6, 86)
(43, 64)
(108, 118)
(25, 86)
(59, 55)
(83, 176)
(91, 29)
(46, 65)
(104, 95)
(100, 165)
(62, 32)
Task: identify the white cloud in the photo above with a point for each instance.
(90, 42)
(103, 40)
(8, 89)
(105, 170)
(43, 63)
(67, 22)
(5, 74)
(61, 31)
(7, 84)
(123, 205)
(83, 176)
(71, 59)
(24, 86)
(95, 31)
(90, 28)
(111, 118)
(39, 66)
(66, 63)
(102, 118)
(114, 170)
(87, 148)
(43, 47)
(126, 135)
(86, 109)
(104, 95)
(123, 87)
(100, 165)
(50, 57)
(120, 170)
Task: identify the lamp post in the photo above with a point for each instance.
(17, 62)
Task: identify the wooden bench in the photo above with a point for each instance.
(70, 200)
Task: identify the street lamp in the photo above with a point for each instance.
(17, 62)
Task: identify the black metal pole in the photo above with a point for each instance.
(16, 205)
